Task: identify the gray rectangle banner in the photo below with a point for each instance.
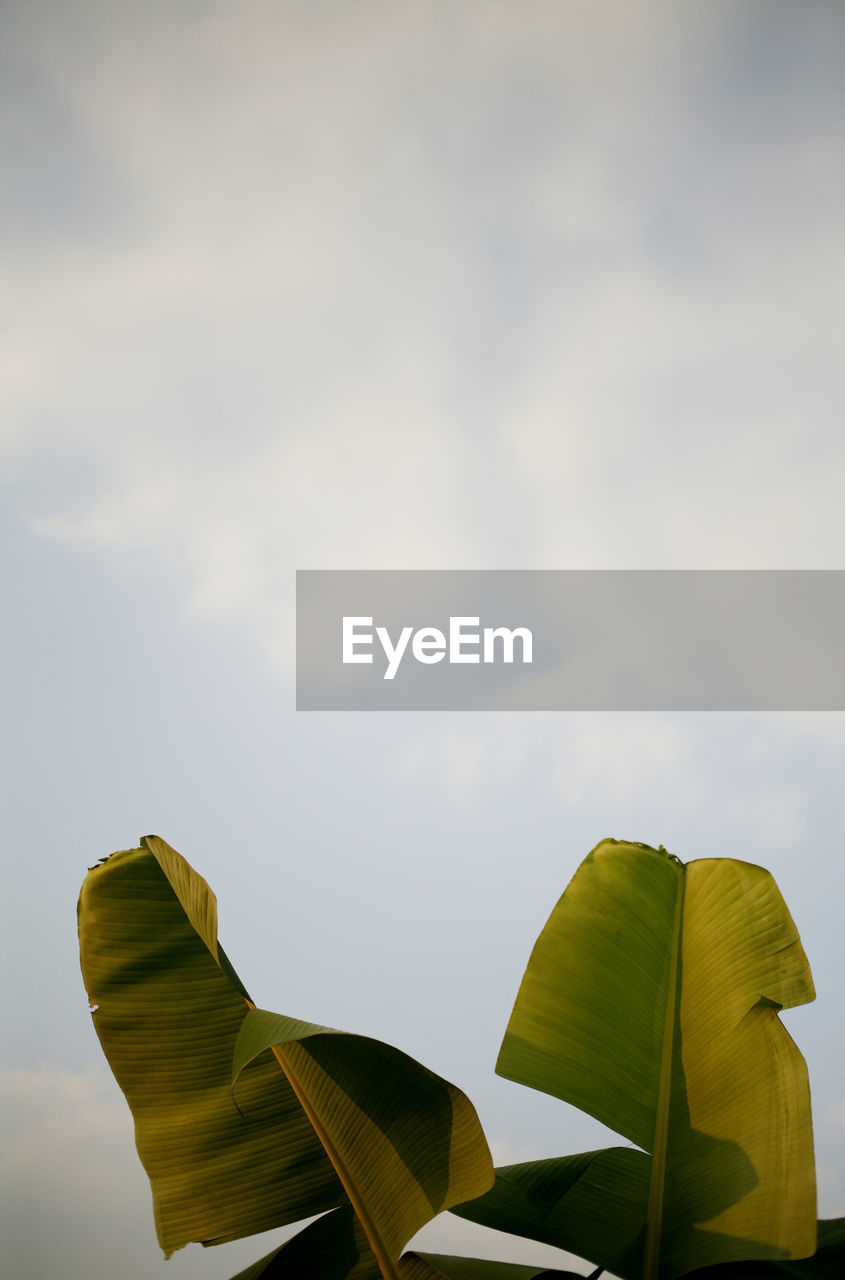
(570, 640)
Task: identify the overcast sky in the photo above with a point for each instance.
(368, 285)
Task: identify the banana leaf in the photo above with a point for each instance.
(438, 1266)
(333, 1247)
(595, 1201)
(315, 1119)
(827, 1263)
(650, 1001)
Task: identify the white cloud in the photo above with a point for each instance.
(465, 759)
(449, 1234)
(506, 1151)
(383, 297)
(72, 1184)
(75, 1199)
(613, 760)
(837, 1114)
(46, 1111)
(430, 287)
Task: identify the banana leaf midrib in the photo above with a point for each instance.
(374, 1238)
(657, 1182)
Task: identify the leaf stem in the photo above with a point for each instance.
(657, 1185)
(377, 1244)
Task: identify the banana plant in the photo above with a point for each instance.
(247, 1120)
(651, 1001)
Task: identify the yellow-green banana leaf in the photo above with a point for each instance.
(321, 1120)
(650, 1001)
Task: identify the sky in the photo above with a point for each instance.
(370, 285)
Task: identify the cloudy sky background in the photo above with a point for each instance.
(369, 285)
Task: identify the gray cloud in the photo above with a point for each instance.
(429, 290)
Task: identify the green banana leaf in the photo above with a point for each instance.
(404, 1142)
(592, 1204)
(650, 1001)
(332, 1248)
(316, 1119)
(438, 1266)
(335, 1248)
(827, 1263)
(594, 1201)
